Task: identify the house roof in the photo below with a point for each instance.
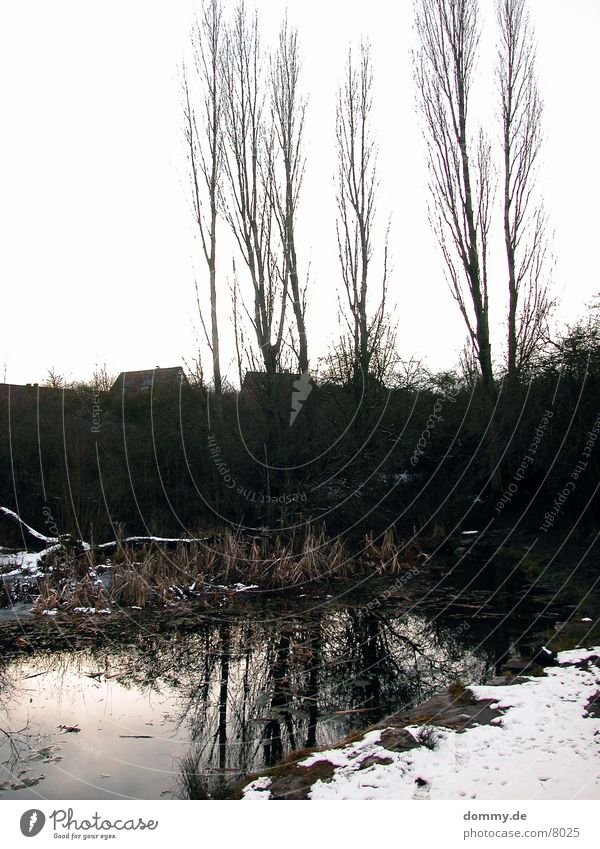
(149, 379)
(15, 391)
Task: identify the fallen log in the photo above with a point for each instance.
(15, 533)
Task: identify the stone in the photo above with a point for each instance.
(375, 760)
(398, 740)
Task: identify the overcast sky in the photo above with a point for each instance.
(97, 255)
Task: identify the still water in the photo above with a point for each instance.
(107, 707)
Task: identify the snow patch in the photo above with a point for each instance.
(258, 789)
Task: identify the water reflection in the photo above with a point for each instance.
(239, 693)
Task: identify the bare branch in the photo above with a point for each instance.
(204, 143)
(356, 186)
(251, 210)
(287, 114)
(460, 174)
(525, 225)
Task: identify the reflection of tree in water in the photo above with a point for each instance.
(280, 702)
(250, 691)
(384, 661)
(14, 740)
(246, 691)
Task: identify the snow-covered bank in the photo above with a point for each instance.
(71, 584)
(544, 745)
(24, 564)
(90, 590)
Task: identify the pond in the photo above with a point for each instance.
(114, 707)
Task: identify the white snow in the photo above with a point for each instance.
(85, 545)
(153, 539)
(258, 789)
(543, 747)
(26, 563)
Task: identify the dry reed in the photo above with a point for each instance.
(154, 575)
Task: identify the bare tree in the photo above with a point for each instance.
(356, 188)
(203, 136)
(102, 380)
(288, 110)
(250, 210)
(525, 223)
(459, 165)
(55, 380)
(410, 374)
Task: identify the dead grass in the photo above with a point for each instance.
(191, 783)
(70, 581)
(154, 575)
(428, 736)
(460, 694)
